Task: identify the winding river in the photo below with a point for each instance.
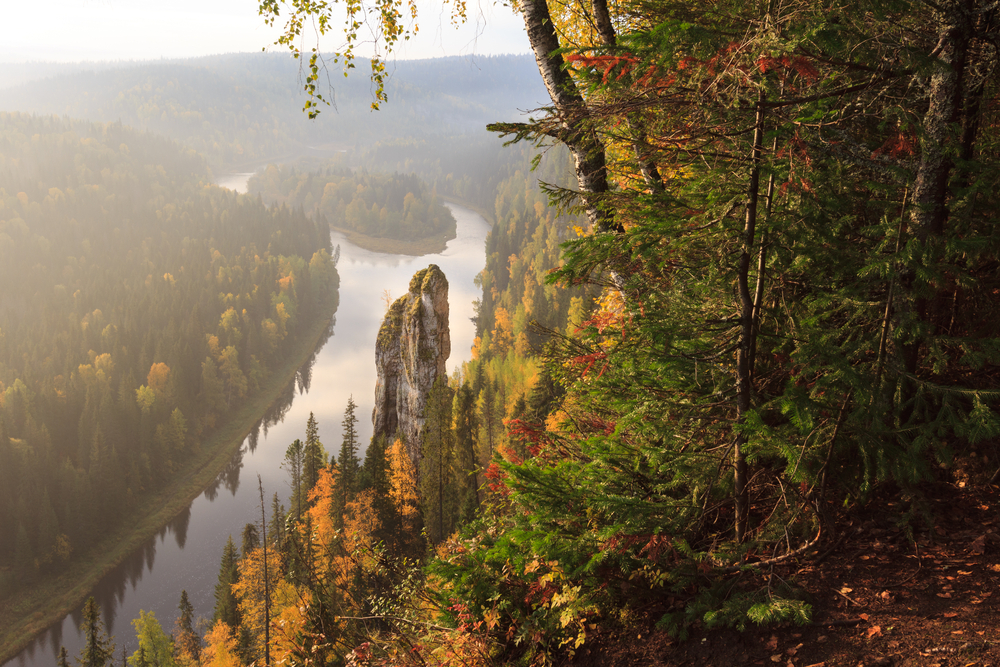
(185, 554)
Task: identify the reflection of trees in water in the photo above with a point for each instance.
(254, 437)
(55, 638)
(110, 593)
(304, 375)
(231, 475)
(179, 526)
(276, 413)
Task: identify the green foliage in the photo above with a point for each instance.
(143, 307)
(156, 648)
(98, 649)
(382, 206)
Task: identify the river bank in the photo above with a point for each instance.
(26, 614)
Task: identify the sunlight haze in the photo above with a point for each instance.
(88, 30)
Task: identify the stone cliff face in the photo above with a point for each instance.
(413, 345)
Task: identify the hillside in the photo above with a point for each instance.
(241, 110)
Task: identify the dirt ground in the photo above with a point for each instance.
(879, 596)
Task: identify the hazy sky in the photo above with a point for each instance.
(74, 30)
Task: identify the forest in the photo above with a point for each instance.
(748, 319)
(149, 305)
(396, 207)
(790, 246)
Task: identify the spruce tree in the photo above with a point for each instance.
(98, 649)
(347, 460)
(437, 466)
(187, 642)
(226, 608)
(294, 457)
(314, 455)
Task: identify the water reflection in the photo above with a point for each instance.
(186, 553)
(180, 526)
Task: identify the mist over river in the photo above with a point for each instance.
(185, 554)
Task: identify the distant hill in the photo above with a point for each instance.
(242, 109)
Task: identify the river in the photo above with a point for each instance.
(185, 554)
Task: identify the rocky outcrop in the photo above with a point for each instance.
(413, 345)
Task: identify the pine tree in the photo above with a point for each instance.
(437, 463)
(226, 609)
(98, 649)
(251, 539)
(466, 465)
(314, 455)
(276, 526)
(347, 460)
(294, 457)
(187, 642)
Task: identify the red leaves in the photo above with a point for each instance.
(531, 434)
(654, 547)
(900, 144)
(788, 64)
(589, 360)
(607, 63)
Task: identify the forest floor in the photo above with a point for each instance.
(880, 596)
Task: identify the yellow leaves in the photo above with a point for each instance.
(321, 497)
(402, 480)
(503, 333)
(213, 345)
(158, 377)
(250, 590)
(221, 647)
(145, 398)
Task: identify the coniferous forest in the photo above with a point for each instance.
(738, 351)
(147, 306)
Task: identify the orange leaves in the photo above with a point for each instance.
(321, 498)
(606, 63)
(158, 377)
(785, 65)
(221, 647)
(899, 144)
(250, 590)
(402, 480)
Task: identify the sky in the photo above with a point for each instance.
(101, 30)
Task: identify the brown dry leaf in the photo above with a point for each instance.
(772, 643)
(964, 572)
(864, 617)
(893, 644)
(950, 614)
(978, 545)
(944, 595)
(874, 631)
(777, 658)
(958, 632)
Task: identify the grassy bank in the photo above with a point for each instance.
(28, 612)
